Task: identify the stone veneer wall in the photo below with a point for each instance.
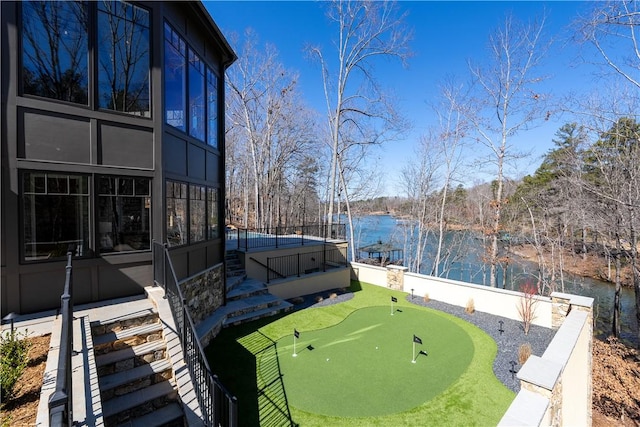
(204, 292)
(395, 277)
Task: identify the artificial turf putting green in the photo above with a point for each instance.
(244, 357)
(363, 365)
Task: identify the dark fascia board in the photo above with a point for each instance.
(229, 54)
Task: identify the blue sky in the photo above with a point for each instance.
(447, 35)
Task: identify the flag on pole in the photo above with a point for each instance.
(394, 299)
(296, 333)
(417, 340)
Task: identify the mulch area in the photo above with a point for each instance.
(22, 409)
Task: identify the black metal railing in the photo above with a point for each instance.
(61, 402)
(286, 235)
(305, 263)
(219, 407)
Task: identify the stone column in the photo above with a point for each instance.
(395, 277)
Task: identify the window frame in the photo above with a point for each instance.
(210, 229)
(136, 192)
(149, 38)
(82, 251)
(211, 124)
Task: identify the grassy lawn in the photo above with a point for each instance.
(360, 385)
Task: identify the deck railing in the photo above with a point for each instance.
(60, 401)
(286, 235)
(219, 407)
(305, 263)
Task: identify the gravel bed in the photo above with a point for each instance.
(508, 341)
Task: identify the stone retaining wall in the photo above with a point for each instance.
(204, 293)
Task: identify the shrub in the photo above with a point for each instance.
(471, 308)
(14, 350)
(524, 352)
(426, 297)
(527, 305)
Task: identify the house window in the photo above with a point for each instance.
(124, 206)
(56, 214)
(196, 96)
(197, 213)
(176, 201)
(191, 96)
(175, 64)
(54, 50)
(212, 214)
(212, 108)
(123, 57)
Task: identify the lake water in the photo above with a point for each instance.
(468, 267)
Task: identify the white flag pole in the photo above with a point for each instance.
(414, 352)
(392, 307)
(294, 345)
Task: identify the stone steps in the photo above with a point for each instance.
(135, 374)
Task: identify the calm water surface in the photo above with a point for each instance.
(468, 267)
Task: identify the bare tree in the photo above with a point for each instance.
(451, 133)
(270, 125)
(611, 28)
(506, 103)
(359, 112)
(418, 177)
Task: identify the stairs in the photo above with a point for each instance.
(248, 299)
(135, 375)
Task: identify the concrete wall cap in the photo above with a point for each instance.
(541, 372)
(579, 300)
(561, 347)
(527, 409)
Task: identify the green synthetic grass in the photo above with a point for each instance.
(372, 350)
(271, 388)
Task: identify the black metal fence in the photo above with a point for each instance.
(286, 235)
(61, 402)
(305, 263)
(219, 407)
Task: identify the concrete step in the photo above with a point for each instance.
(159, 417)
(247, 288)
(125, 407)
(134, 375)
(137, 351)
(131, 320)
(118, 340)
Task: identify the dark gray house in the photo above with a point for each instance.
(112, 129)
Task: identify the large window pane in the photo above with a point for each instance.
(196, 96)
(197, 206)
(123, 215)
(176, 213)
(212, 108)
(175, 64)
(123, 57)
(54, 50)
(213, 228)
(55, 216)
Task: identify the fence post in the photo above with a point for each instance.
(298, 264)
(277, 236)
(268, 269)
(216, 402)
(233, 412)
(324, 258)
